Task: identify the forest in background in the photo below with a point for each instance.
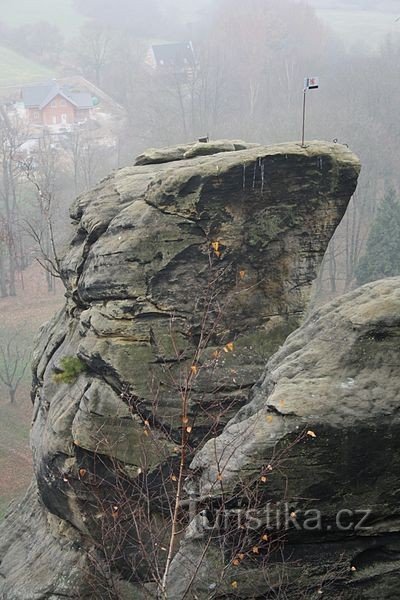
(247, 83)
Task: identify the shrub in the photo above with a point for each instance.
(72, 367)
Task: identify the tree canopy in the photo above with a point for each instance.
(382, 253)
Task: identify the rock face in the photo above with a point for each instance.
(182, 279)
(323, 427)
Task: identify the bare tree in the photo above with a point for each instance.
(93, 48)
(40, 171)
(13, 363)
(11, 139)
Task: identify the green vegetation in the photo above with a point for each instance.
(16, 69)
(382, 254)
(57, 12)
(72, 367)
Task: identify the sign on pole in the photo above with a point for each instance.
(310, 83)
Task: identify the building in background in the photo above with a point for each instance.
(52, 104)
(177, 58)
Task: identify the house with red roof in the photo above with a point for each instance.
(51, 104)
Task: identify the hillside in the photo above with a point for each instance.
(21, 318)
(57, 12)
(16, 69)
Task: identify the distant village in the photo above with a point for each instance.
(58, 137)
(59, 107)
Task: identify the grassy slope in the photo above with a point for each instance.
(58, 12)
(21, 317)
(16, 69)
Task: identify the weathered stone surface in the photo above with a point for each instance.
(165, 155)
(41, 556)
(204, 263)
(335, 377)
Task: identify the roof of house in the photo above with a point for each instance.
(39, 96)
(179, 54)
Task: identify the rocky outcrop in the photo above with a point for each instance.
(182, 280)
(154, 156)
(321, 434)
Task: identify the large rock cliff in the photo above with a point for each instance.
(323, 430)
(185, 273)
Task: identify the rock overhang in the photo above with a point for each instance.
(235, 227)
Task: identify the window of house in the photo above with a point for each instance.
(36, 115)
(63, 102)
(53, 103)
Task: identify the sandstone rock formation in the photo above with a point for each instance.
(182, 280)
(337, 378)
